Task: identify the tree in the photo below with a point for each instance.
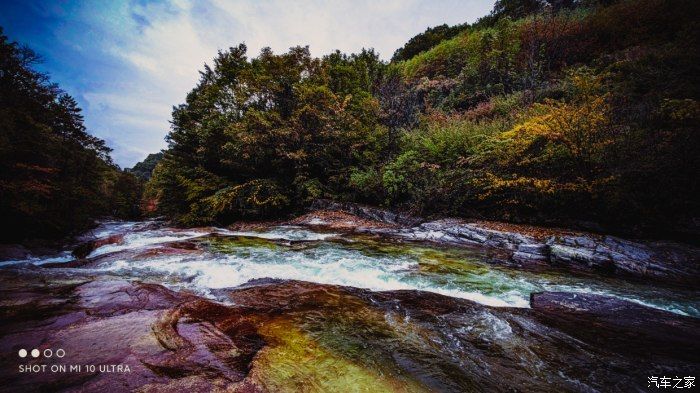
(144, 169)
(264, 136)
(54, 176)
(426, 40)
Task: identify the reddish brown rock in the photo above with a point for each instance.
(620, 325)
(289, 335)
(89, 246)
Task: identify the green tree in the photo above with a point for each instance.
(263, 136)
(55, 178)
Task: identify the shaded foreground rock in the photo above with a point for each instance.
(291, 336)
(620, 325)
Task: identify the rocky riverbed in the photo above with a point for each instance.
(331, 302)
(659, 261)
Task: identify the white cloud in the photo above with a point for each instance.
(172, 40)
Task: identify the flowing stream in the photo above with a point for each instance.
(218, 258)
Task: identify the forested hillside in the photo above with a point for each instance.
(55, 178)
(576, 113)
(144, 169)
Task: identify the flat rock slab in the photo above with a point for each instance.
(620, 325)
(278, 335)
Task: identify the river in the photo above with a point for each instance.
(290, 308)
(226, 259)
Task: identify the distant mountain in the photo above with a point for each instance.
(144, 169)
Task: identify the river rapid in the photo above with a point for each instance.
(288, 308)
(226, 259)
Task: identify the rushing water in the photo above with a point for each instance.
(224, 258)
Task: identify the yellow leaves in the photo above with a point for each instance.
(493, 184)
(515, 189)
(583, 128)
(258, 194)
(585, 84)
(297, 155)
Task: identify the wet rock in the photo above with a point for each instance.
(367, 212)
(109, 298)
(84, 249)
(620, 325)
(13, 252)
(339, 220)
(182, 245)
(33, 249)
(668, 262)
(531, 252)
(661, 261)
(448, 344)
(524, 248)
(277, 336)
(578, 257)
(183, 249)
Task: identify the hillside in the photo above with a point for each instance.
(581, 114)
(144, 169)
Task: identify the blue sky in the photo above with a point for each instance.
(128, 62)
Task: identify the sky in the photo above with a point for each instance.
(128, 62)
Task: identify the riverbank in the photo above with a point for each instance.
(657, 261)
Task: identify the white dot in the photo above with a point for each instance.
(35, 353)
(23, 353)
(60, 353)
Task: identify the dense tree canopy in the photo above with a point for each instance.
(261, 136)
(426, 40)
(580, 113)
(577, 113)
(54, 176)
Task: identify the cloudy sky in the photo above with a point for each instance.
(128, 62)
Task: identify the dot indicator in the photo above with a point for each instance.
(35, 353)
(23, 353)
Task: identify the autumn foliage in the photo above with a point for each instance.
(579, 113)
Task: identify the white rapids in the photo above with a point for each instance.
(232, 258)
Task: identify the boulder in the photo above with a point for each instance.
(84, 249)
(669, 262)
(367, 212)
